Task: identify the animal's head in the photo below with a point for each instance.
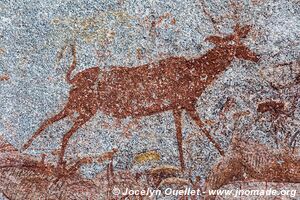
(234, 44)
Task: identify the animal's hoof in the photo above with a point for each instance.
(222, 153)
(25, 147)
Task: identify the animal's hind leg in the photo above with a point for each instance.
(81, 120)
(44, 125)
(194, 115)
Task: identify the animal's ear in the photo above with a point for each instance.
(217, 40)
(242, 32)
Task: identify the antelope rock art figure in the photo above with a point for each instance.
(172, 84)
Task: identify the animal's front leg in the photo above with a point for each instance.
(177, 119)
(194, 115)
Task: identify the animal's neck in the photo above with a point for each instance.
(214, 62)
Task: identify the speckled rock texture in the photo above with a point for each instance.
(100, 97)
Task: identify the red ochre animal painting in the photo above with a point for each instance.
(172, 84)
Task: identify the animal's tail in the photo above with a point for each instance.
(72, 66)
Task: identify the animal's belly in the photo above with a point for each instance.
(122, 102)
